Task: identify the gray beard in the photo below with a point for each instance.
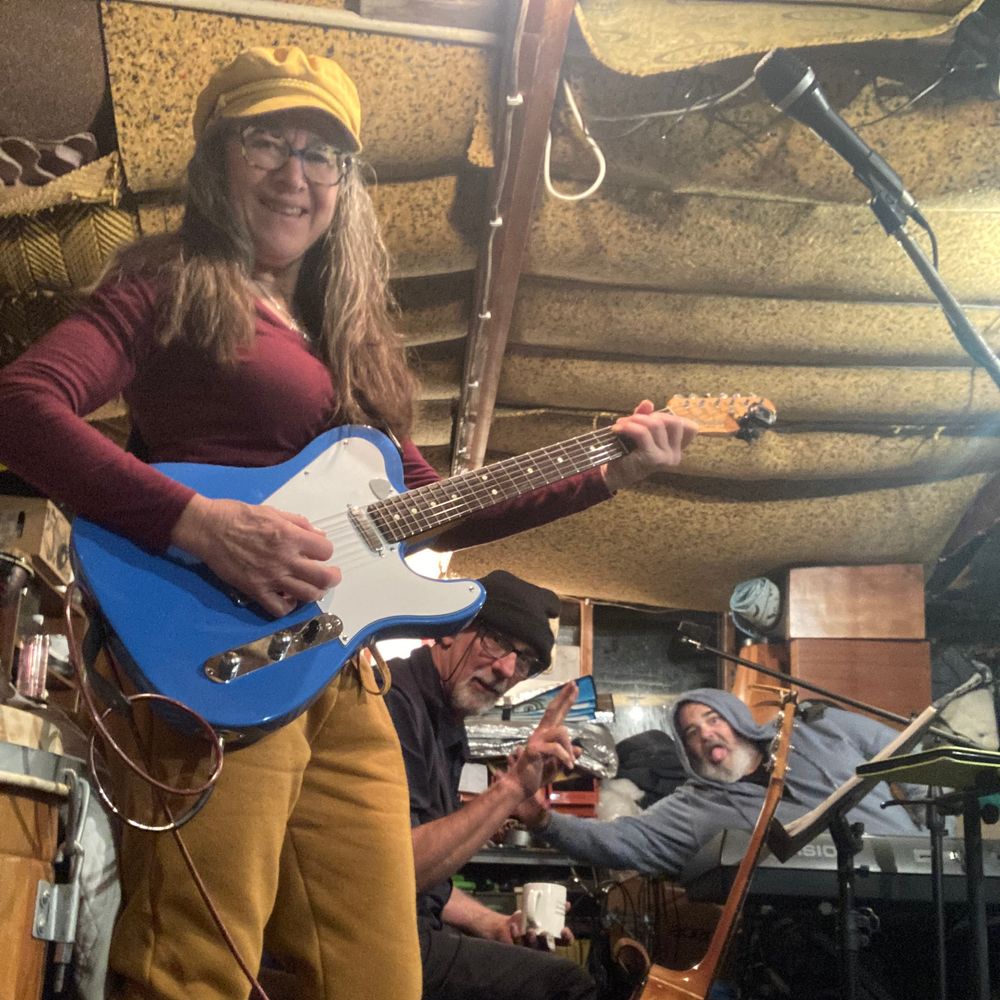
(468, 699)
(742, 759)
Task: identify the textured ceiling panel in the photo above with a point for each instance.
(745, 145)
(571, 317)
(800, 394)
(52, 76)
(666, 547)
(654, 36)
(753, 246)
(434, 309)
(430, 226)
(432, 427)
(159, 59)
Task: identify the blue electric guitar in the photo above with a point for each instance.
(178, 631)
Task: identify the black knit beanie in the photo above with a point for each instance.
(520, 610)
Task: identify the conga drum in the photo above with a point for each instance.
(30, 798)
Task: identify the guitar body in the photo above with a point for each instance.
(168, 615)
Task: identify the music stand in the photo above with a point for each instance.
(972, 774)
(831, 813)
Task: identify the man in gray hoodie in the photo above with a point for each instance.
(723, 751)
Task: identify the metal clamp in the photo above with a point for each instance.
(57, 904)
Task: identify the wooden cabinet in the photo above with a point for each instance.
(889, 674)
(854, 602)
(894, 675)
(856, 630)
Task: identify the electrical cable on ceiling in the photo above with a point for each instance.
(974, 48)
(602, 165)
(910, 102)
(639, 120)
(700, 105)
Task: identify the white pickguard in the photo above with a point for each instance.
(375, 586)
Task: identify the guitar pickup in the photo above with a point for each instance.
(270, 649)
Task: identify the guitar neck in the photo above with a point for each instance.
(427, 509)
(430, 508)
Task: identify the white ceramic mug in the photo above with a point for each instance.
(543, 909)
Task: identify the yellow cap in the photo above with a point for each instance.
(260, 81)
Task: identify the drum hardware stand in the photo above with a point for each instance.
(57, 904)
(19, 599)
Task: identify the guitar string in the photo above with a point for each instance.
(479, 489)
(403, 520)
(472, 491)
(467, 493)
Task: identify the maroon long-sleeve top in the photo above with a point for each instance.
(261, 411)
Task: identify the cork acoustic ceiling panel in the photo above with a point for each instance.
(728, 250)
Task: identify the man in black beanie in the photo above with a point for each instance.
(466, 948)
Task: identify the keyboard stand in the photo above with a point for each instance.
(847, 838)
(935, 824)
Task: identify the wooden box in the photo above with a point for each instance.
(855, 602)
(892, 675)
(37, 528)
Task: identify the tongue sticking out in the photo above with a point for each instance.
(716, 754)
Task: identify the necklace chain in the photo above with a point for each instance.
(282, 311)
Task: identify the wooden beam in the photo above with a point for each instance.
(481, 14)
(537, 53)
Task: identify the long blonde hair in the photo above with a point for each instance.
(342, 293)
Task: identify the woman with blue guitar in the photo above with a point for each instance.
(238, 550)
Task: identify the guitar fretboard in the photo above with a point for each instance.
(436, 505)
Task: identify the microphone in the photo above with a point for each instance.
(687, 641)
(790, 85)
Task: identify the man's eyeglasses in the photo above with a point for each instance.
(269, 150)
(498, 646)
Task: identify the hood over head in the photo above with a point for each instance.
(734, 711)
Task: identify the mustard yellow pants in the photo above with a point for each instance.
(306, 848)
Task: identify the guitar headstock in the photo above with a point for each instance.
(739, 415)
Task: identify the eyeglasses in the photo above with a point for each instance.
(498, 646)
(269, 150)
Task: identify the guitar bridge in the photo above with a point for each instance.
(363, 523)
(270, 649)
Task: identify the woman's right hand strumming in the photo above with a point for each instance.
(272, 557)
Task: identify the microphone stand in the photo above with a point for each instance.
(892, 216)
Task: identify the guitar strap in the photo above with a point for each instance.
(94, 641)
(381, 673)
